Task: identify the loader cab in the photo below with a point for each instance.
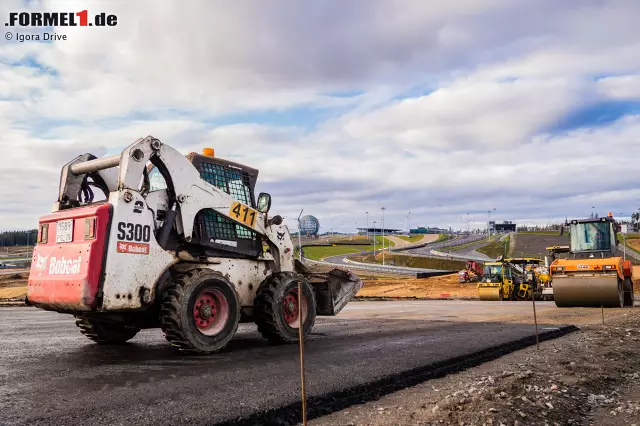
(220, 235)
(593, 238)
(214, 230)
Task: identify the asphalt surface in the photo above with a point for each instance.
(51, 374)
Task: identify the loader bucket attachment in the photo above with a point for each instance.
(333, 290)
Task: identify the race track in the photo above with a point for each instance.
(51, 374)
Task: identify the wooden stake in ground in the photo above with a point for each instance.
(300, 332)
(602, 308)
(535, 318)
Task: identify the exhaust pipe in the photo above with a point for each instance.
(94, 165)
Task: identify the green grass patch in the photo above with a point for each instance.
(494, 249)
(387, 242)
(321, 252)
(413, 261)
(467, 245)
(411, 239)
(442, 238)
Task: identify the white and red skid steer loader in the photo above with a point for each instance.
(177, 242)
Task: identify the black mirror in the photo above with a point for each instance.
(264, 202)
(276, 220)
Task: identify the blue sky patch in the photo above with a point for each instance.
(595, 115)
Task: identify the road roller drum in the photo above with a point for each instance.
(490, 293)
(588, 292)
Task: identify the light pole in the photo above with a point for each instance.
(300, 236)
(367, 230)
(374, 241)
(383, 209)
(624, 241)
(409, 225)
(489, 223)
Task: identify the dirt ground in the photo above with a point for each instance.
(634, 243)
(589, 377)
(445, 286)
(13, 286)
(15, 251)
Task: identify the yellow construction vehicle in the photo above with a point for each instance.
(545, 278)
(592, 275)
(497, 281)
(510, 279)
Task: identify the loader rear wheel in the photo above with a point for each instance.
(200, 312)
(106, 333)
(276, 307)
(627, 287)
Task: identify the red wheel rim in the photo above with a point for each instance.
(290, 308)
(211, 311)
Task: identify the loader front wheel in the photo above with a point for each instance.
(277, 305)
(200, 312)
(105, 333)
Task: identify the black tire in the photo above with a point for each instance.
(201, 330)
(627, 287)
(106, 333)
(274, 314)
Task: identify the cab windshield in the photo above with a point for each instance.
(592, 236)
(156, 181)
(493, 272)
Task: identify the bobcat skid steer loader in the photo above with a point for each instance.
(177, 242)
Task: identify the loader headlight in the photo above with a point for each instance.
(608, 266)
(43, 233)
(89, 228)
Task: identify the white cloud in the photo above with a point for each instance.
(621, 87)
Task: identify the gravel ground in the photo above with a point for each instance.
(590, 377)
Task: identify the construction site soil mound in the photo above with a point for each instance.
(413, 261)
(13, 286)
(444, 286)
(534, 245)
(634, 243)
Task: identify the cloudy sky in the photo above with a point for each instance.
(443, 109)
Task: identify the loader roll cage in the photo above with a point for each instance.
(192, 184)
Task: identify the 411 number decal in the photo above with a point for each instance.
(243, 213)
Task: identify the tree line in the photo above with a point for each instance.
(18, 238)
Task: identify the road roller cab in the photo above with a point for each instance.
(592, 274)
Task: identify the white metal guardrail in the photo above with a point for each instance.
(369, 267)
(456, 256)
